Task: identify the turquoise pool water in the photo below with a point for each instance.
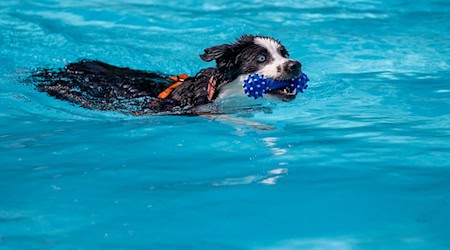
(360, 161)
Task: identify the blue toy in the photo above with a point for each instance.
(257, 85)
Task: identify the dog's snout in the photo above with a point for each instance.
(294, 66)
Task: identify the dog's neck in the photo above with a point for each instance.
(233, 88)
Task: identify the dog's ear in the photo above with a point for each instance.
(216, 52)
(226, 57)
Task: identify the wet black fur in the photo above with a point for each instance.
(98, 85)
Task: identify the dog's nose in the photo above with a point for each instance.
(294, 66)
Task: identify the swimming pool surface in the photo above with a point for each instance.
(361, 160)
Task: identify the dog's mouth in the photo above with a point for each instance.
(285, 94)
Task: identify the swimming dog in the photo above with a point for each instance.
(98, 85)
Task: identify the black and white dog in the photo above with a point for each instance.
(97, 85)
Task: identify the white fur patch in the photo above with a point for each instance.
(272, 46)
(233, 88)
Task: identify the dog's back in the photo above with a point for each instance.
(97, 85)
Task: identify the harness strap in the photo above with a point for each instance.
(211, 88)
(179, 79)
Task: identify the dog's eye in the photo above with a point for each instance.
(261, 58)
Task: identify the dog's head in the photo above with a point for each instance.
(254, 54)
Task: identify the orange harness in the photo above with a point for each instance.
(179, 79)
